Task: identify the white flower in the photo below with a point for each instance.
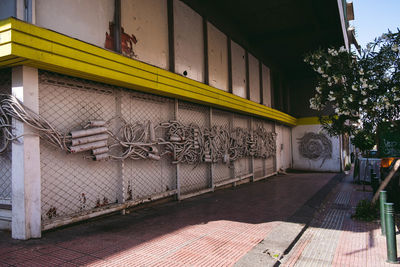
(354, 88)
(364, 85)
(324, 76)
(365, 101)
(350, 98)
(332, 52)
(318, 89)
(395, 48)
(331, 98)
(336, 110)
(342, 49)
(363, 92)
(361, 72)
(328, 64)
(330, 83)
(311, 63)
(336, 79)
(320, 71)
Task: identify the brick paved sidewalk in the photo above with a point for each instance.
(211, 230)
(334, 239)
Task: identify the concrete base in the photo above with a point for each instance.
(5, 219)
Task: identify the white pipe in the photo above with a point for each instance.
(153, 156)
(89, 139)
(96, 123)
(152, 134)
(89, 146)
(88, 132)
(100, 150)
(104, 156)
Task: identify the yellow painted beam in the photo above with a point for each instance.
(23, 43)
(308, 121)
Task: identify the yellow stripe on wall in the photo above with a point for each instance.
(24, 43)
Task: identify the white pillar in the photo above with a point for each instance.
(26, 189)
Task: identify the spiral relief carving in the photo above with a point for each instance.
(315, 146)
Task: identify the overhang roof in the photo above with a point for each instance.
(279, 32)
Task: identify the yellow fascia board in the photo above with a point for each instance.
(24, 43)
(309, 121)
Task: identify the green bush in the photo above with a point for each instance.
(347, 167)
(366, 211)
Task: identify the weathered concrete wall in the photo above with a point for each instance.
(85, 20)
(217, 58)
(189, 43)
(147, 20)
(266, 76)
(238, 70)
(7, 8)
(283, 147)
(254, 76)
(329, 162)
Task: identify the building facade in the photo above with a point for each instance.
(191, 96)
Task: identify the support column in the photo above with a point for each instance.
(26, 188)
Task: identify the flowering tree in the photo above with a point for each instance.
(362, 90)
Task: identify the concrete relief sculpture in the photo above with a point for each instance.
(315, 146)
(188, 144)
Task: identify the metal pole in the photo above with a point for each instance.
(382, 201)
(390, 234)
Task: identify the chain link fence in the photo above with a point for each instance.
(144, 178)
(242, 166)
(222, 171)
(5, 158)
(194, 177)
(74, 185)
(70, 183)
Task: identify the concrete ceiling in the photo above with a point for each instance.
(280, 32)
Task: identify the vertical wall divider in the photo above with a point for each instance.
(117, 26)
(262, 102)
(171, 36)
(246, 56)
(118, 108)
(276, 148)
(210, 123)
(232, 165)
(230, 78)
(251, 123)
(205, 41)
(178, 180)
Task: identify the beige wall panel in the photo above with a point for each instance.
(217, 58)
(254, 76)
(189, 44)
(86, 20)
(266, 85)
(238, 70)
(147, 20)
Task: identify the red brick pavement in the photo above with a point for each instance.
(211, 230)
(360, 243)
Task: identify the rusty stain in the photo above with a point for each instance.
(52, 212)
(129, 191)
(127, 41)
(82, 199)
(99, 203)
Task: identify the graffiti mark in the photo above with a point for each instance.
(52, 212)
(99, 203)
(82, 200)
(315, 146)
(127, 41)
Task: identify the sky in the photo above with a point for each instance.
(374, 17)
